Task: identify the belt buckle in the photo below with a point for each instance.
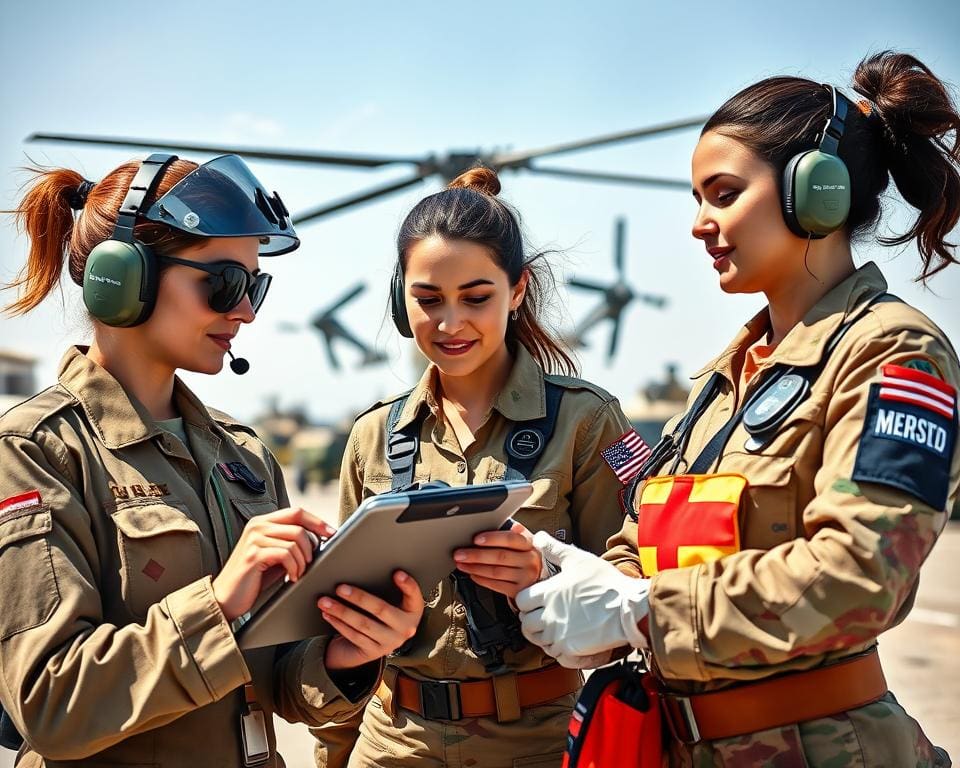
(679, 708)
(440, 700)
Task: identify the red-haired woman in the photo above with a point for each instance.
(138, 526)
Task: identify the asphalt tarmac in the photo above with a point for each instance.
(921, 657)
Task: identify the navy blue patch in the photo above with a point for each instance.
(906, 446)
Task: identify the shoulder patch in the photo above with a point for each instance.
(25, 418)
(922, 363)
(572, 382)
(383, 402)
(909, 434)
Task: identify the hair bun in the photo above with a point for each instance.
(479, 179)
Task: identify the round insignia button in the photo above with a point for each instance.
(191, 220)
(526, 443)
(776, 403)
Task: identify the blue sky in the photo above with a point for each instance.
(415, 77)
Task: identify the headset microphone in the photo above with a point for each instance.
(238, 365)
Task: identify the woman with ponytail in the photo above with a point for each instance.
(137, 526)
(467, 690)
(781, 524)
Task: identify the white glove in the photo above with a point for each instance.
(585, 610)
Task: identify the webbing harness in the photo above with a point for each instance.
(492, 626)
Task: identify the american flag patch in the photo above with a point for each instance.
(627, 455)
(20, 501)
(907, 385)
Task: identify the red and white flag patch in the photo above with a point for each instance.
(20, 501)
(907, 385)
(627, 455)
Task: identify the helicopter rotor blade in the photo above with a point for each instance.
(614, 337)
(587, 285)
(291, 156)
(362, 197)
(331, 355)
(616, 178)
(659, 302)
(344, 299)
(619, 236)
(520, 159)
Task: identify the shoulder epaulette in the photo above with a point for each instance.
(25, 418)
(572, 382)
(226, 420)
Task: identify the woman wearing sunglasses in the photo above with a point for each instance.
(137, 526)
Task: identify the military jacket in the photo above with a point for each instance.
(837, 517)
(576, 495)
(113, 648)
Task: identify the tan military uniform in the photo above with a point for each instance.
(113, 649)
(826, 563)
(575, 498)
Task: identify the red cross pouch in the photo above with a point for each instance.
(685, 520)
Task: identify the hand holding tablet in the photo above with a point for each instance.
(411, 531)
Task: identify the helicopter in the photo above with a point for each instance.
(616, 297)
(447, 166)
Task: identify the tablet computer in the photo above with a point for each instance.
(415, 531)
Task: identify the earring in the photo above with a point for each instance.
(514, 315)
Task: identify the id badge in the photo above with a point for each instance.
(253, 732)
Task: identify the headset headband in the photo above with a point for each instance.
(144, 183)
(833, 130)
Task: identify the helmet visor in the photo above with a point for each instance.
(222, 198)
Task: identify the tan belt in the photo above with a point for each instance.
(795, 697)
(502, 696)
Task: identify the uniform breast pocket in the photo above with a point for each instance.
(25, 562)
(159, 552)
(540, 512)
(768, 506)
(251, 508)
(375, 483)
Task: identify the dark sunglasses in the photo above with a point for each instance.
(229, 282)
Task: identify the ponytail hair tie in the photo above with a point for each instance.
(78, 197)
(875, 117)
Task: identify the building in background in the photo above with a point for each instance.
(17, 379)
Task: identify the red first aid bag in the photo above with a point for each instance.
(617, 721)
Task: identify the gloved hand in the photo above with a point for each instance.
(585, 610)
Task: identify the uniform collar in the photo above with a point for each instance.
(522, 397)
(119, 418)
(806, 342)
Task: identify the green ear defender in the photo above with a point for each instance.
(816, 183)
(120, 277)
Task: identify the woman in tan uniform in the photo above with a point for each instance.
(467, 690)
(787, 512)
(138, 526)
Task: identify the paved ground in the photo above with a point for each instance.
(921, 657)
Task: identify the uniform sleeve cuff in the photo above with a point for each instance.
(674, 630)
(338, 696)
(208, 639)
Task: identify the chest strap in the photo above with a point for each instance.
(523, 447)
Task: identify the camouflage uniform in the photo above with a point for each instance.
(827, 562)
(575, 498)
(113, 648)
